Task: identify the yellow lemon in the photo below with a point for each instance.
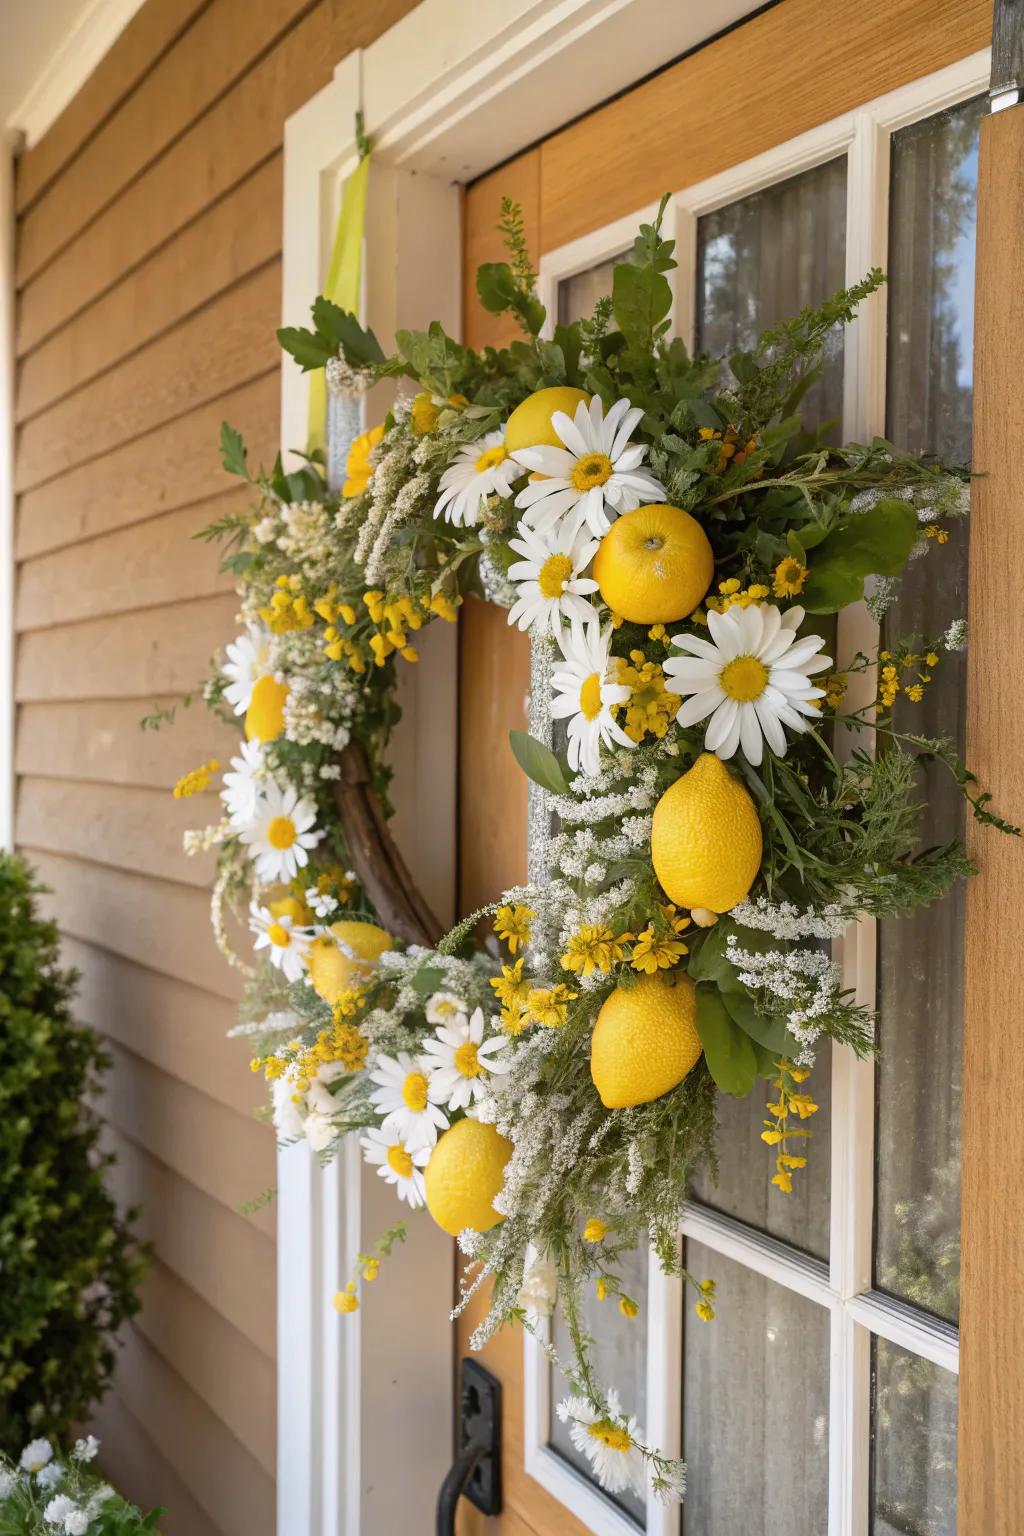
(290, 906)
(529, 426)
(654, 565)
(264, 719)
(645, 1041)
(331, 971)
(706, 838)
(465, 1172)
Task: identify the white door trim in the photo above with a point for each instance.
(10, 144)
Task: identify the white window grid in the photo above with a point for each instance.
(843, 1285)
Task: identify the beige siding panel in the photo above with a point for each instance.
(217, 350)
(150, 31)
(124, 828)
(129, 1459)
(157, 923)
(134, 655)
(103, 742)
(230, 1157)
(230, 240)
(215, 52)
(235, 136)
(142, 566)
(170, 467)
(227, 1480)
(217, 1362)
(176, 1027)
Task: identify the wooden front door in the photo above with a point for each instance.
(802, 147)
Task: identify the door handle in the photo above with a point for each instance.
(476, 1471)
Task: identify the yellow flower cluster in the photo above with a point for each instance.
(731, 451)
(594, 948)
(940, 535)
(890, 684)
(343, 1042)
(705, 1308)
(393, 620)
(549, 1006)
(512, 990)
(196, 781)
(778, 1131)
(426, 409)
(288, 609)
(651, 708)
(735, 595)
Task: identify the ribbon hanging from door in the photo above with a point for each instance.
(344, 277)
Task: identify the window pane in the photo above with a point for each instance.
(920, 958)
(620, 1358)
(755, 1407)
(913, 1464)
(763, 258)
(577, 295)
(746, 1165)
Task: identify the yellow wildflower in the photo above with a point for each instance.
(941, 535)
(788, 577)
(359, 466)
(444, 607)
(196, 781)
(594, 948)
(595, 1230)
(346, 1300)
(931, 660)
(656, 951)
(658, 632)
(651, 708)
(510, 987)
(550, 1005)
(514, 1018)
(601, 1288)
(705, 1311)
(835, 689)
(512, 924)
(915, 693)
(371, 1268)
(628, 1307)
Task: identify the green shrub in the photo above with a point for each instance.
(69, 1265)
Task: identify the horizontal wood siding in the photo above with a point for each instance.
(149, 279)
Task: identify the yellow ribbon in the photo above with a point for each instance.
(343, 285)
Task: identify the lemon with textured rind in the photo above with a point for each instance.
(264, 719)
(465, 1172)
(645, 1041)
(706, 838)
(331, 971)
(529, 426)
(654, 565)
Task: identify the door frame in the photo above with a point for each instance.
(444, 99)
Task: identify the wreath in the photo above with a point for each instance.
(707, 810)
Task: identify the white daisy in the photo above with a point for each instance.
(288, 945)
(751, 677)
(35, 1455)
(403, 1096)
(442, 1006)
(279, 835)
(459, 1059)
(248, 657)
(583, 695)
(595, 477)
(549, 577)
(58, 1510)
(397, 1163)
(481, 469)
(241, 788)
(286, 1103)
(608, 1441)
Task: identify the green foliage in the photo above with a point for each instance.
(538, 762)
(727, 1050)
(23, 1505)
(70, 1264)
(335, 332)
(876, 542)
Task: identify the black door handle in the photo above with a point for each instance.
(476, 1471)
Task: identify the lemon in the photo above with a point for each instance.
(529, 426)
(465, 1172)
(330, 969)
(290, 906)
(654, 565)
(645, 1041)
(264, 719)
(706, 838)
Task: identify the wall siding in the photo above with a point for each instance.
(148, 273)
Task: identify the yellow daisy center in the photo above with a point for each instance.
(590, 697)
(593, 469)
(491, 458)
(279, 935)
(744, 679)
(467, 1060)
(611, 1435)
(281, 832)
(414, 1092)
(399, 1161)
(553, 575)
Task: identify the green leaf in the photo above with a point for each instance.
(496, 286)
(427, 981)
(232, 452)
(641, 298)
(770, 1033)
(337, 325)
(729, 1054)
(876, 542)
(538, 762)
(308, 349)
(830, 589)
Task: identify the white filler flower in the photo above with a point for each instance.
(479, 470)
(583, 695)
(752, 677)
(248, 658)
(397, 1163)
(608, 1441)
(403, 1097)
(460, 1059)
(242, 786)
(288, 945)
(279, 835)
(595, 477)
(549, 578)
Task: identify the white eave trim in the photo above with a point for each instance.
(98, 27)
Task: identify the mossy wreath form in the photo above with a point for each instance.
(677, 544)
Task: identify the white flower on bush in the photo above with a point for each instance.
(59, 1509)
(320, 1130)
(8, 1481)
(85, 1450)
(76, 1522)
(36, 1455)
(50, 1476)
(539, 1288)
